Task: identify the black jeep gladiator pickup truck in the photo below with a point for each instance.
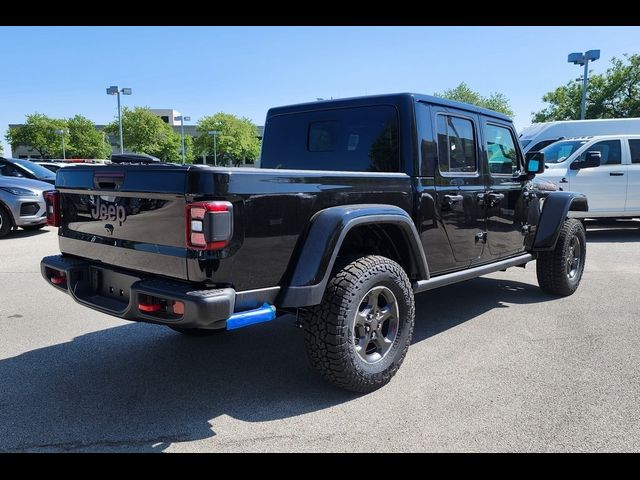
(358, 204)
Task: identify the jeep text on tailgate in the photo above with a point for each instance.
(358, 204)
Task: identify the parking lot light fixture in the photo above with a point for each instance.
(182, 119)
(62, 132)
(115, 90)
(579, 58)
(215, 133)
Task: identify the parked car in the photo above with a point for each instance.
(605, 168)
(358, 204)
(537, 136)
(15, 167)
(22, 204)
(52, 166)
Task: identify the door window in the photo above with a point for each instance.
(456, 145)
(634, 145)
(501, 150)
(610, 150)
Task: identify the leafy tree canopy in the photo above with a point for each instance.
(462, 93)
(236, 144)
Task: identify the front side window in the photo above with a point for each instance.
(456, 145)
(501, 150)
(610, 151)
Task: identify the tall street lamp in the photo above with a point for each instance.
(115, 90)
(215, 133)
(579, 58)
(62, 132)
(182, 119)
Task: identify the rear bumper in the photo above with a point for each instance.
(128, 295)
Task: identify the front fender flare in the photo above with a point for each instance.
(554, 212)
(328, 228)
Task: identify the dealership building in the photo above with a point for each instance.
(167, 115)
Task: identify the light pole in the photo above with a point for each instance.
(579, 58)
(62, 132)
(182, 119)
(215, 133)
(115, 90)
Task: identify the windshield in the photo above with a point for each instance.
(558, 152)
(35, 169)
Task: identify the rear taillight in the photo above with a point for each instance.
(209, 225)
(52, 202)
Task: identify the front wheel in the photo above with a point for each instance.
(359, 335)
(560, 270)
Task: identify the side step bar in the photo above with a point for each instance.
(455, 277)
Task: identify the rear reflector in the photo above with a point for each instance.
(178, 308)
(52, 202)
(149, 307)
(209, 225)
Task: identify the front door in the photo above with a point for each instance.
(605, 186)
(505, 205)
(459, 185)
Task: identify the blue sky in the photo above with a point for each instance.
(61, 71)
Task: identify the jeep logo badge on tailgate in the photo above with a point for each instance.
(101, 211)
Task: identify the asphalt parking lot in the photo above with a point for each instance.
(495, 365)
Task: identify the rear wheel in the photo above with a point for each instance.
(34, 227)
(560, 270)
(359, 335)
(5, 222)
(197, 332)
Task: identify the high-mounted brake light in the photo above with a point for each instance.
(209, 225)
(52, 203)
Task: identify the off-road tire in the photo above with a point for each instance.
(554, 268)
(5, 222)
(197, 332)
(329, 327)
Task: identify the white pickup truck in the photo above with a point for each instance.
(605, 168)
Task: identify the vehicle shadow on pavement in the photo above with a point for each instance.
(614, 235)
(446, 307)
(26, 233)
(141, 387)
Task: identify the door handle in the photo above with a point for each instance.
(616, 174)
(453, 198)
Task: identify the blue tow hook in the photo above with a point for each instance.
(265, 313)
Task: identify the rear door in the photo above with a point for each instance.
(632, 206)
(132, 217)
(459, 184)
(605, 186)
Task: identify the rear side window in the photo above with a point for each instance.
(634, 145)
(456, 145)
(610, 151)
(363, 139)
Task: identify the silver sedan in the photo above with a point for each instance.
(22, 204)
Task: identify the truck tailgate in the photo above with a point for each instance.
(130, 216)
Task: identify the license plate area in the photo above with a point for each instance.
(111, 284)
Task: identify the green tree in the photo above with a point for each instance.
(613, 94)
(39, 133)
(84, 141)
(462, 93)
(144, 132)
(237, 142)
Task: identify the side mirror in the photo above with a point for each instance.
(591, 159)
(534, 162)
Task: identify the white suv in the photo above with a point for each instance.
(605, 168)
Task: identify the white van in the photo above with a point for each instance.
(605, 168)
(539, 135)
